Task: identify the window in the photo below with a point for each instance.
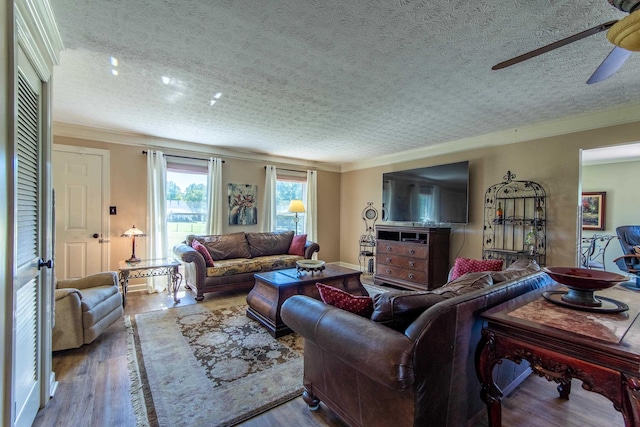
(290, 186)
(186, 201)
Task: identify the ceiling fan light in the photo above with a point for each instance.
(626, 32)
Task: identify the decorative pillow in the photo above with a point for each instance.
(360, 305)
(467, 283)
(203, 251)
(636, 250)
(467, 265)
(266, 244)
(520, 268)
(398, 309)
(524, 264)
(297, 245)
(226, 246)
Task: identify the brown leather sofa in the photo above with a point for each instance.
(422, 375)
(237, 257)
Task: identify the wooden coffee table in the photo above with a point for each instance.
(274, 287)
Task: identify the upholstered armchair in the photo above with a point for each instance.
(629, 236)
(85, 308)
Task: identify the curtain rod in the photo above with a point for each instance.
(292, 170)
(179, 157)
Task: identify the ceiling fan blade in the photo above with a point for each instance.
(554, 45)
(610, 65)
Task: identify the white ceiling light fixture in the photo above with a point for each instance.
(217, 95)
(166, 80)
(114, 64)
(211, 102)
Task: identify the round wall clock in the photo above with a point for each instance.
(370, 213)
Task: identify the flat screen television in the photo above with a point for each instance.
(429, 196)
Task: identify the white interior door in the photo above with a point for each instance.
(82, 227)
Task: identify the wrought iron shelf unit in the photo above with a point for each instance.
(515, 224)
(368, 241)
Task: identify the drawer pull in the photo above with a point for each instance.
(389, 248)
(388, 259)
(411, 251)
(411, 276)
(388, 271)
(412, 264)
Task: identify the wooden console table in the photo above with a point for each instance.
(600, 349)
(150, 268)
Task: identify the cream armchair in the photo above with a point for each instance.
(85, 308)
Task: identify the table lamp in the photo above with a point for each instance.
(296, 206)
(133, 232)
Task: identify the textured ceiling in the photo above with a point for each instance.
(329, 80)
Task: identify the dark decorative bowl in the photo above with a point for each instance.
(583, 282)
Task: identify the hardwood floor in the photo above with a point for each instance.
(94, 389)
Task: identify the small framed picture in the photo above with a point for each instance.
(594, 208)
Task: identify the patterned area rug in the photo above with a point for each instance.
(208, 365)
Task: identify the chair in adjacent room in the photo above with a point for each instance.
(593, 250)
(629, 236)
(85, 308)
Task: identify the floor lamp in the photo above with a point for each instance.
(296, 206)
(133, 232)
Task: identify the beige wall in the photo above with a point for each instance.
(553, 162)
(619, 181)
(129, 195)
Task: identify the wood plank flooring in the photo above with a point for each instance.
(94, 389)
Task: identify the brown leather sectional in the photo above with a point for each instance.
(423, 375)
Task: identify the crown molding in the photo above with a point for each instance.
(183, 147)
(38, 35)
(626, 114)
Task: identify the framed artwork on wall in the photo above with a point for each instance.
(242, 204)
(593, 210)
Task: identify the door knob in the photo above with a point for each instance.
(42, 263)
(95, 235)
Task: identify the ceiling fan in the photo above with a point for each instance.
(624, 34)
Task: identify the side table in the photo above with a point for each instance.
(600, 349)
(150, 268)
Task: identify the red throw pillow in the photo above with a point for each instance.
(466, 265)
(297, 245)
(204, 251)
(360, 305)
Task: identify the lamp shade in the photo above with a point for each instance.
(296, 206)
(133, 231)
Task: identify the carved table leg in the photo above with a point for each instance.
(490, 394)
(124, 282)
(175, 278)
(631, 401)
(564, 388)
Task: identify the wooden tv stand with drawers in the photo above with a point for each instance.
(415, 258)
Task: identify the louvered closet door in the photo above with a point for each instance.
(28, 281)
